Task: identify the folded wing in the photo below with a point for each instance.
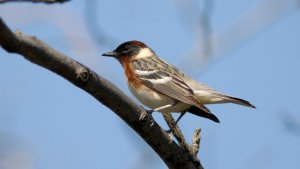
(168, 83)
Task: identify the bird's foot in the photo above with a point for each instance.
(148, 116)
(150, 112)
(169, 132)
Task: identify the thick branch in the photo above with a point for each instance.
(104, 91)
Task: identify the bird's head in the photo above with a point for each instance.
(131, 49)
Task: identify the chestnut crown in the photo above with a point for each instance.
(130, 48)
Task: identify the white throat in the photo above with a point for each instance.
(145, 52)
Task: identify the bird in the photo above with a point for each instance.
(164, 88)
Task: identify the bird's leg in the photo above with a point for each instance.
(181, 115)
(161, 107)
(169, 131)
(164, 107)
(150, 111)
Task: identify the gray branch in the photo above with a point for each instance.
(38, 52)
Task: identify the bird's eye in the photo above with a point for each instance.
(126, 48)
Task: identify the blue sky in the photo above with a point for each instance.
(53, 124)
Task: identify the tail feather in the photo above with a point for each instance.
(239, 101)
(199, 112)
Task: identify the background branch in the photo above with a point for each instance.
(104, 91)
(92, 22)
(211, 45)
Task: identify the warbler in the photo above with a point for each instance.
(164, 88)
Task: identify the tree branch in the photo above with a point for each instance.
(181, 140)
(37, 52)
(196, 141)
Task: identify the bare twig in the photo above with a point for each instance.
(104, 91)
(36, 1)
(196, 141)
(181, 140)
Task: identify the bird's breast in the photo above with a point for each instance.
(129, 74)
(147, 96)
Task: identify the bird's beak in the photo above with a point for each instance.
(110, 54)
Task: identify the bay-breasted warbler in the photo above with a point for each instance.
(164, 88)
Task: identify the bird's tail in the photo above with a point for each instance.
(239, 101)
(199, 112)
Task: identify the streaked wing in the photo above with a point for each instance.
(165, 80)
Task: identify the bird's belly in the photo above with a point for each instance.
(154, 100)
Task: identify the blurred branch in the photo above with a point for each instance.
(205, 28)
(188, 13)
(257, 18)
(203, 49)
(13, 153)
(38, 52)
(36, 1)
(92, 23)
(291, 124)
